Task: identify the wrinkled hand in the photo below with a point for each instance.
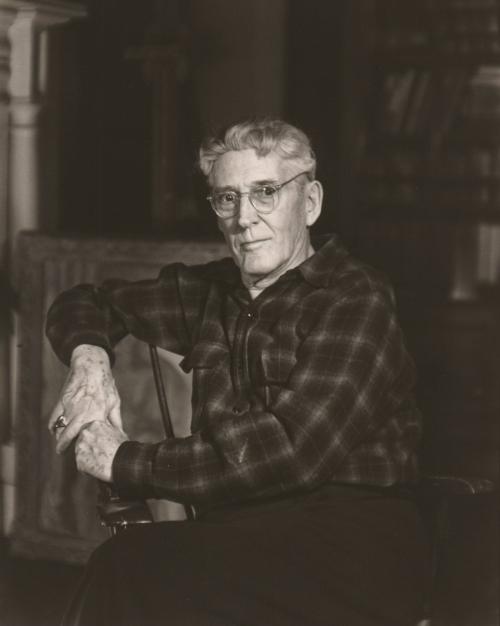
(96, 447)
(88, 395)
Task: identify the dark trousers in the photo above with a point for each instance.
(340, 556)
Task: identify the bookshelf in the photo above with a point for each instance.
(430, 171)
(428, 214)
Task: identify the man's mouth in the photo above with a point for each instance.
(248, 246)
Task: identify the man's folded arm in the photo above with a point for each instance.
(162, 311)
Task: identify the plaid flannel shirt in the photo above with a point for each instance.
(310, 382)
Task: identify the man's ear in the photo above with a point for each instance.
(314, 201)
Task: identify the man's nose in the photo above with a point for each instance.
(247, 215)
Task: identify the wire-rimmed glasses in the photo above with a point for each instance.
(264, 198)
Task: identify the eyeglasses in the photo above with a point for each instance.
(263, 198)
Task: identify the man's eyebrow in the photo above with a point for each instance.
(224, 188)
(255, 183)
(266, 181)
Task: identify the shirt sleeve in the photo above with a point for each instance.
(161, 311)
(351, 374)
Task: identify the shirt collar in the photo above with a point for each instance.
(317, 269)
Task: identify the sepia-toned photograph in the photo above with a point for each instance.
(249, 312)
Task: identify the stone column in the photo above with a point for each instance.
(7, 15)
(29, 39)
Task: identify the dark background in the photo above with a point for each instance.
(107, 103)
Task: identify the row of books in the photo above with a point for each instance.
(406, 101)
(488, 254)
(469, 164)
(463, 4)
(383, 193)
(396, 163)
(410, 252)
(449, 199)
(401, 26)
(446, 26)
(483, 95)
(409, 101)
(460, 22)
(466, 198)
(456, 260)
(480, 44)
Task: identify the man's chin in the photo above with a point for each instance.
(256, 269)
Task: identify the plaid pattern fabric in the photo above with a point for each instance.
(308, 383)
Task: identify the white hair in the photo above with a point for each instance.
(264, 136)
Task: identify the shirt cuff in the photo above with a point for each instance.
(132, 470)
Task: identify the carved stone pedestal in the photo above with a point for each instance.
(56, 517)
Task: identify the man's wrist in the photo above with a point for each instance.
(85, 353)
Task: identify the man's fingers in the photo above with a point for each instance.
(85, 397)
(66, 435)
(115, 416)
(57, 411)
(95, 449)
(68, 393)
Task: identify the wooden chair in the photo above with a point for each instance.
(435, 493)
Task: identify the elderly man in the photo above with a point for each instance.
(304, 427)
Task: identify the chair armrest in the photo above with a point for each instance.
(455, 485)
(117, 513)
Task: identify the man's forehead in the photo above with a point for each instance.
(244, 167)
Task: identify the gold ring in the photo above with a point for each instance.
(60, 422)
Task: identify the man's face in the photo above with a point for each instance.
(265, 246)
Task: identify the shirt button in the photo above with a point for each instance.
(250, 315)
